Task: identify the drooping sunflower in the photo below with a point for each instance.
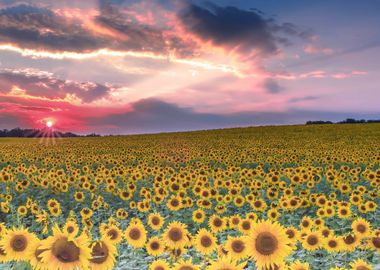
(268, 244)
(155, 246)
(17, 242)
(205, 242)
(155, 221)
(103, 254)
(361, 227)
(61, 251)
(360, 264)
(175, 235)
(236, 247)
(159, 265)
(226, 262)
(135, 234)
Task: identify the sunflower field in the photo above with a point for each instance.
(267, 198)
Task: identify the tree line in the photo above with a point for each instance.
(347, 121)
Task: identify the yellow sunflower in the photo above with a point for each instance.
(34, 257)
(135, 234)
(175, 235)
(159, 265)
(312, 241)
(155, 221)
(236, 247)
(360, 264)
(17, 242)
(361, 227)
(297, 265)
(217, 224)
(112, 232)
(64, 252)
(155, 246)
(268, 244)
(205, 242)
(185, 265)
(103, 254)
(224, 263)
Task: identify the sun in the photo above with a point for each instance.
(49, 124)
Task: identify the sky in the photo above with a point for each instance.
(143, 66)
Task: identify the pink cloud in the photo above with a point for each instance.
(312, 49)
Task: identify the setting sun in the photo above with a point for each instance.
(49, 124)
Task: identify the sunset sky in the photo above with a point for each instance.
(123, 67)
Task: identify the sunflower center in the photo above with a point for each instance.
(332, 243)
(159, 268)
(237, 246)
(185, 267)
(266, 243)
(349, 239)
(70, 229)
(65, 251)
(312, 240)
(155, 221)
(134, 234)
(175, 234)
(246, 225)
(217, 222)
(361, 228)
(206, 241)
(99, 253)
(19, 243)
(155, 245)
(112, 234)
(290, 233)
(362, 268)
(376, 242)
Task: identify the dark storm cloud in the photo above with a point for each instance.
(153, 115)
(272, 86)
(42, 84)
(40, 28)
(234, 28)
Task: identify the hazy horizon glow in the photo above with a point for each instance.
(138, 66)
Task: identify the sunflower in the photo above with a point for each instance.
(245, 226)
(297, 265)
(333, 244)
(71, 227)
(374, 242)
(17, 242)
(312, 241)
(103, 254)
(175, 235)
(34, 257)
(64, 252)
(155, 221)
(112, 232)
(155, 246)
(268, 244)
(233, 222)
(350, 242)
(205, 242)
(159, 265)
(135, 234)
(217, 223)
(198, 216)
(361, 227)
(226, 263)
(185, 265)
(360, 264)
(236, 247)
